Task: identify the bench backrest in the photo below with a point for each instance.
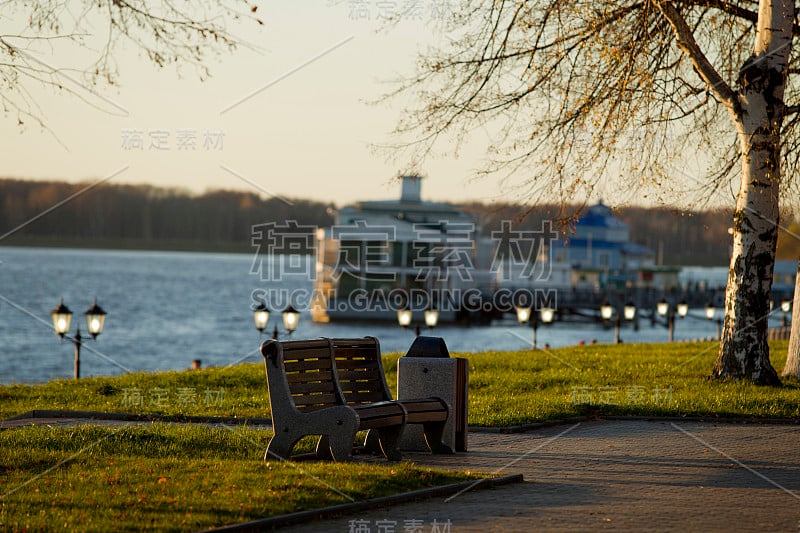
(360, 371)
(302, 372)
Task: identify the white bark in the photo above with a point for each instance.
(744, 352)
(792, 367)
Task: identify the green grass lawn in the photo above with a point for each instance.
(170, 477)
(188, 477)
(629, 379)
(505, 388)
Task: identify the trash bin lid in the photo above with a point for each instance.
(428, 347)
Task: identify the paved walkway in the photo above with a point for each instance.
(621, 474)
(633, 475)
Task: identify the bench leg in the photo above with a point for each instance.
(372, 442)
(280, 446)
(340, 451)
(323, 451)
(337, 445)
(388, 439)
(433, 436)
(341, 447)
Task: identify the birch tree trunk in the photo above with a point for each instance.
(792, 367)
(743, 351)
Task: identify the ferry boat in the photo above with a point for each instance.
(380, 256)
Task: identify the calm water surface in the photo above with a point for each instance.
(167, 308)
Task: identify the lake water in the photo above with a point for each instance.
(167, 308)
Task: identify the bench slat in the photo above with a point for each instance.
(359, 397)
(356, 386)
(424, 404)
(355, 353)
(379, 409)
(381, 422)
(354, 343)
(359, 375)
(427, 410)
(312, 388)
(308, 353)
(304, 377)
(421, 418)
(314, 364)
(312, 399)
(304, 344)
(350, 364)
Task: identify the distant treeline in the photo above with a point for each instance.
(143, 216)
(147, 217)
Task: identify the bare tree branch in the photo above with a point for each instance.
(703, 67)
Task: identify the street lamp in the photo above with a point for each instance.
(548, 314)
(683, 308)
(95, 319)
(404, 318)
(291, 318)
(629, 311)
(62, 318)
(606, 310)
(665, 310)
(711, 312)
(662, 307)
(261, 316)
(431, 318)
(523, 314)
(786, 306)
(527, 314)
(290, 315)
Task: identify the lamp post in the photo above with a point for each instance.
(62, 317)
(404, 317)
(527, 314)
(290, 316)
(663, 308)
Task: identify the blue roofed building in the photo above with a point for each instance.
(600, 253)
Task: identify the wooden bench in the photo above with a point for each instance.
(305, 399)
(361, 379)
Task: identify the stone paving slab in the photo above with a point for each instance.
(636, 475)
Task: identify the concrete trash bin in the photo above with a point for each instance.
(427, 370)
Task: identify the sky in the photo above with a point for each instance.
(291, 115)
